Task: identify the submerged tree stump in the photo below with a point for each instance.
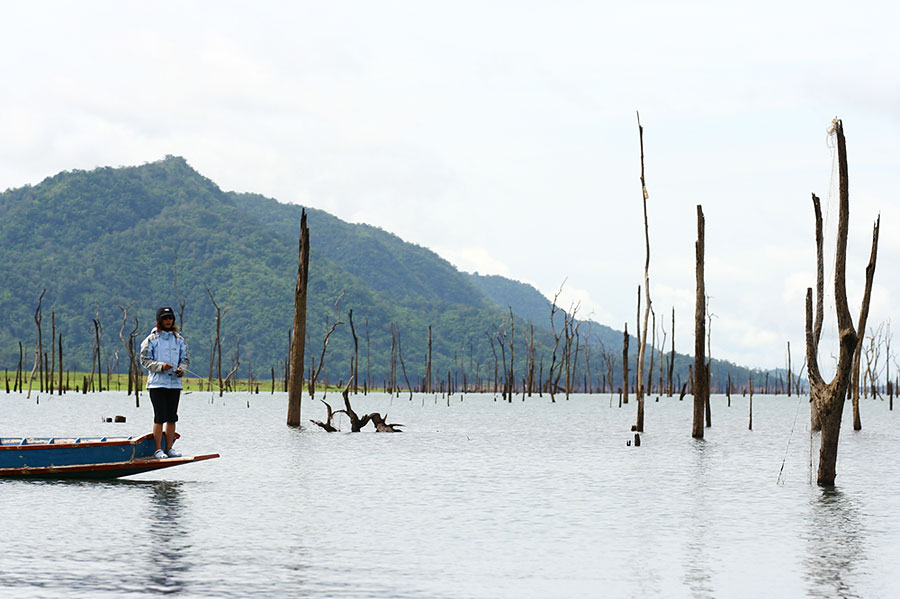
(357, 422)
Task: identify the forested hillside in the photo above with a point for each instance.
(103, 240)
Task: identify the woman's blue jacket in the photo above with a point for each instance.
(164, 347)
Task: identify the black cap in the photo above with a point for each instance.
(163, 312)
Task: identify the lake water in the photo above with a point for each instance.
(479, 498)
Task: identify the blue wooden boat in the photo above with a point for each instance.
(83, 457)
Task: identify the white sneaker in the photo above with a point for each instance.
(159, 454)
(172, 453)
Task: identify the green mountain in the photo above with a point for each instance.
(103, 240)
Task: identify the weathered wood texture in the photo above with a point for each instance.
(295, 388)
(830, 396)
(701, 380)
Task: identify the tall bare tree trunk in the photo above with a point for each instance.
(217, 346)
(814, 390)
(428, 364)
(60, 365)
(830, 396)
(52, 368)
(625, 367)
(38, 317)
(37, 359)
(701, 380)
(642, 347)
(20, 376)
(649, 390)
(671, 388)
(402, 365)
(298, 344)
(790, 376)
(861, 327)
(355, 356)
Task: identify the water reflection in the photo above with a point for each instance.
(697, 569)
(167, 558)
(835, 545)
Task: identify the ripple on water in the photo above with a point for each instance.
(477, 499)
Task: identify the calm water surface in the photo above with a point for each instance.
(478, 498)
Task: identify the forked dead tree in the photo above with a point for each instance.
(133, 369)
(828, 398)
(217, 345)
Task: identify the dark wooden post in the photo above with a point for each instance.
(295, 389)
(38, 317)
(625, 366)
(701, 381)
(60, 392)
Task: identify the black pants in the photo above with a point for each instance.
(165, 404)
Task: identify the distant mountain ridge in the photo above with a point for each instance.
(114, 238)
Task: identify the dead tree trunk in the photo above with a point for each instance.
(814, 391)
(98, 334)
(38, 317)
(181, 301)
(531, 362)
(133, 369)
(671, 388)
(355, 372)
(701, 380)
(887, 372)
(643, 342)
(830, 396)
(37, 358)
(557, 335)
(863, 317)
(52, 368)
(427, 385)
(20, 377)
(750, 421)
(625, 366)
(512, 355)
(60, 365)
(402, 365)
(217, 346)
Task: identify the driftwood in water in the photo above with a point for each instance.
(383, 427)
(327, 425)
(357, 422)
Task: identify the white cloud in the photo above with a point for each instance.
(515, 154)
(475, 259)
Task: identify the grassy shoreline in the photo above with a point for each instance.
(119, 382)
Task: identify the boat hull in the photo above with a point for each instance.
(88, 457)
(100, 471)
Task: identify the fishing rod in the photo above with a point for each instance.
(201, 377)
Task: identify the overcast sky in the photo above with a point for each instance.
(503, 135)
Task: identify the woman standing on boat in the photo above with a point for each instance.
(165, 355)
